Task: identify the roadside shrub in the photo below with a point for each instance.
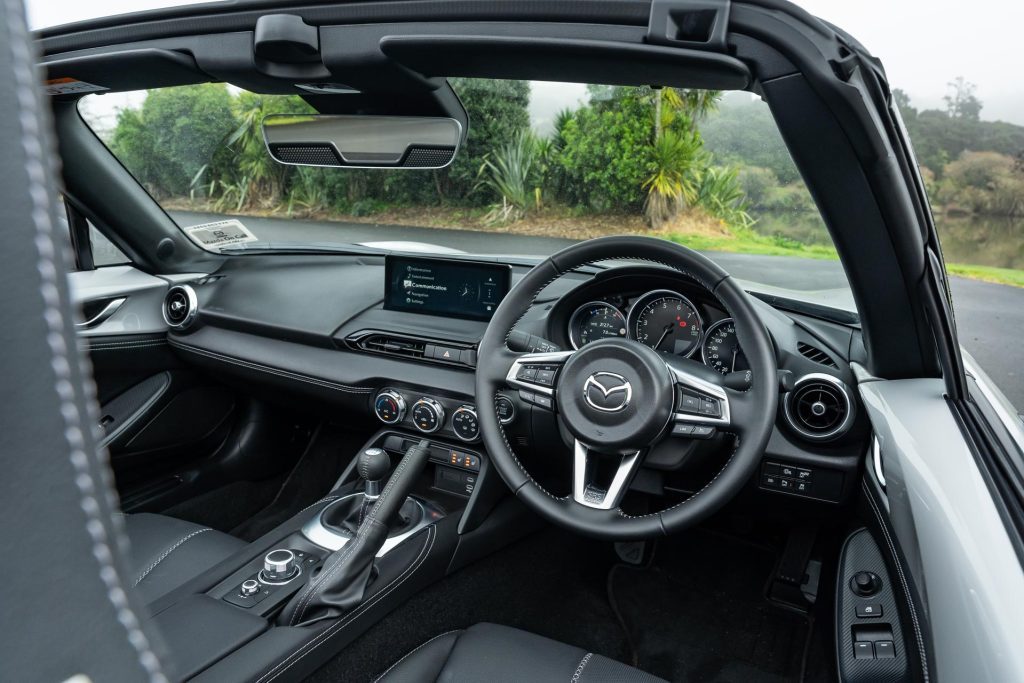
(509, 173)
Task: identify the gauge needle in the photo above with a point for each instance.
(732, 365)
(668, 331)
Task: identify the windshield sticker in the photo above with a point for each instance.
(220, 233)
(70, 86)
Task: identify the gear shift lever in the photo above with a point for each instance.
(373, 467)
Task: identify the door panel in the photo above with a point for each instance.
(959, 558)
(159, 417)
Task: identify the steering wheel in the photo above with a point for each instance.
(618, 398)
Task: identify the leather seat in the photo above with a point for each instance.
(166, 552)
(499, 654)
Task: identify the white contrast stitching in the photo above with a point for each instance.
(408, 654)
(579, 669)
(274, 371)
(164, 554)
(29, 117)
(314, 643)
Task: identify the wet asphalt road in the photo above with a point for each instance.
(990, 317)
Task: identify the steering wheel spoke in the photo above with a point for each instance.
(535, 374)
(702, 405)
(599, 480)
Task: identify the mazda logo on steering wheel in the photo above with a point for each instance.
(607, 392)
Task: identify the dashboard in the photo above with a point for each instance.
(334, 334)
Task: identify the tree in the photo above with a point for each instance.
(175, 133)
(961, 103)
(902, 100)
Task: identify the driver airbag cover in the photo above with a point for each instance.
(607, 422)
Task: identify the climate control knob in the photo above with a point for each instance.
(389, 406)
(427, 415)
(465, 423)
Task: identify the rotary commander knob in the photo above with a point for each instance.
(279, 566)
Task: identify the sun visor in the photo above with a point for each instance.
(121, 71)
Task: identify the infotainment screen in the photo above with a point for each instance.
(433, 286)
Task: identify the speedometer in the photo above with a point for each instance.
(721, 349)
(667, 322)
(593, 321)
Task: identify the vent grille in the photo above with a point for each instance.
(819, 408)
(180, 306)
(815, 354)
(393, 346)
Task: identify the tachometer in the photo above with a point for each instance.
(667, 322)
(721, 349)
(593, 321)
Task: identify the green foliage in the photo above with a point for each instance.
(176, 132)
(983, 183)
(720, 193)
(677, 159)
(508, 173)
(606, 150)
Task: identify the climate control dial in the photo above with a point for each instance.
(465, 423)
(389, 407)
(427, 415)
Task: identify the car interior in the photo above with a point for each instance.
(618, 462)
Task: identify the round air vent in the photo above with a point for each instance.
(180, 306)
(819, 408)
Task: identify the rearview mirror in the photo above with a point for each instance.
(362, 141)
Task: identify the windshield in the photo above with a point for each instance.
(544, 164)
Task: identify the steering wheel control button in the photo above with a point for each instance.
(539, 400)
(505, 409)
(527, 373)
(682, 430)
(863, 650)
(427, 415)
(869, 610)
(865, 583)
(389, 406)
(279, 566)
(465, 423)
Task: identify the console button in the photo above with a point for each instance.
(863, 651)
(770, 480)
(505, 408)
(884, 649)
(447, 353)
(869, 610)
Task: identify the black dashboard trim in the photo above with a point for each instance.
(352, 389)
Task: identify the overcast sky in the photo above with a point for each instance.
(924, 44)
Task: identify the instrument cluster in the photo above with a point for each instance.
(666, 319)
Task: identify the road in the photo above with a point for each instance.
(990, 317)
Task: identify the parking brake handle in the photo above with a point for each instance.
(341, 583)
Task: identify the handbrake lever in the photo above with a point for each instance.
(341, 583)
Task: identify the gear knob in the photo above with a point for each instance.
(374, 465)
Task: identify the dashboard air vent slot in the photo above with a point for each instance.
(180, 307)
(819, 408)
(815, 354)
(393, 346)
(412, 347)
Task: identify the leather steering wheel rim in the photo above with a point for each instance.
(757, 406)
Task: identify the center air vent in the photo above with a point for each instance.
(815, 354)
(431, 350)
(180, 307)
(819, 408)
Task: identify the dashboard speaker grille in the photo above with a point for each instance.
(819, 409)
